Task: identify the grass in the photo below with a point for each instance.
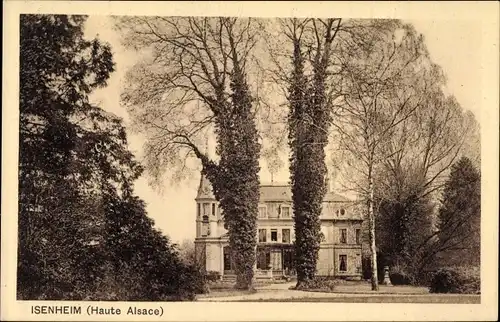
(225, 292)
(434, 299)
(226, 288)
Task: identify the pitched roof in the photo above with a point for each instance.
(283, 192)
(275, 192)
(268, 192)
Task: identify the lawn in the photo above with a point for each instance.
(431, 298)
(224, 292)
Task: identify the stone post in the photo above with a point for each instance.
(387, 279)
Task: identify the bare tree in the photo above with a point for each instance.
(311, 83)
(191, 82)
(421, 151)
(380, 89)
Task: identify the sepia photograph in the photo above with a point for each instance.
(237, 158)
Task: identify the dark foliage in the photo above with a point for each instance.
(448, 280)
(400, 278)
(366, 262)
(405, 230)
(403, 226)
(460, 214)
(82, 233)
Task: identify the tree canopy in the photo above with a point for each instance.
(193, 83)
(78, 218)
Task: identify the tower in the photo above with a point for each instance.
(206, 210)
(207, 214)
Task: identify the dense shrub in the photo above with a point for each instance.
(456, 280)
(318, 284)
(471, 279)
(400, 278)
(399, 275)
(213, 276)
(445, 281)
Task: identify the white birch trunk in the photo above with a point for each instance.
(371, 227)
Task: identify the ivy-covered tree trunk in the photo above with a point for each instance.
(237, 189)
(309, 121)
(235, 179)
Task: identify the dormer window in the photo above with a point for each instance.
(342, 211)
(262, 212)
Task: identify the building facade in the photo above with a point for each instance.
(340, 250)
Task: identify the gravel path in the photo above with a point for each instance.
(282, 291)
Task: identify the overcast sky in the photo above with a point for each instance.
(454, 45)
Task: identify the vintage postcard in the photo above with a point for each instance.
(261, 161)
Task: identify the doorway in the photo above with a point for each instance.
(276, 260)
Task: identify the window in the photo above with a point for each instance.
(213, 209)
(206, 209)
(262, 235)
(285, 212)
(358, 236)
(343, 263)
(262, 212)
(227, 259)
(342, 211)
(198, 211)
(288, 261)
(263, 259)
(205, 228)
(274, 235)
(343, 236)
(285, 236)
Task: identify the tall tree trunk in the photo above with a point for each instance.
(371, 227)
(309, 122)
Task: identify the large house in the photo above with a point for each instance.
(340, 253)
